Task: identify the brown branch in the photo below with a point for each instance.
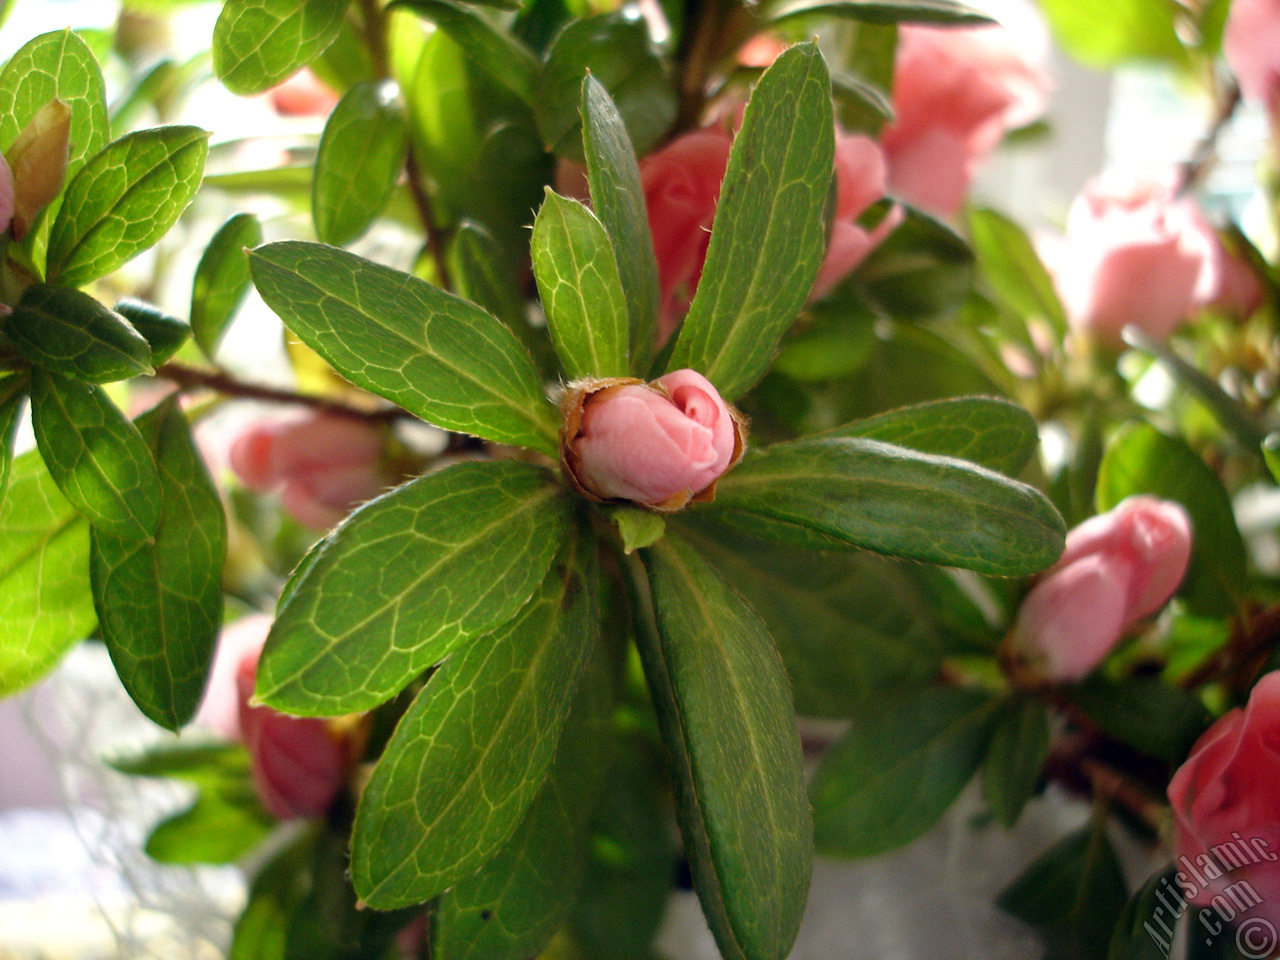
(190, 378)
(426, 213)
(1206, 150)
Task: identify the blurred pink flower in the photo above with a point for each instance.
(1133, 253)
(1251, 43)
(1226, 808)
(303, 95)
(956, 92)
(298, 763)
(1117, 568)
(682, 187)
(324, 465)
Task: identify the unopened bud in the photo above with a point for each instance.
(39, 161)
(659, 444)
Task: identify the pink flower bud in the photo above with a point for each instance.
(1227, 810)
(1116, 569)
(659, 444)
(956, 92)
(324, 465)
(303, 95)
(1133, 254)
(39, 159)
(299, 763)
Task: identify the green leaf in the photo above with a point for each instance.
(124, 200)
(70, 332)
(45, 603)
(829, 492)
(225, 821)
(12, 396)
(222, 280)
(637, 528)
(359, 160)
(95, 455)
(835, 343)
(923, 270)
(725, 712)
(617, 197)
(159, 598)
(1141, 459)
(770, 233)
(616, 50)
(946, 12)
(259, 43)
(499, 54)
(1106, 33)
(514, 904)
(486, 726)
(438, 356)
(164, 334)
(408, 577)
(897, 770)
(276, 895)
(988, 431)
(1073, 894)
(1017, 751)
(1147, 713)
(1145, 928)
(852, 628)
(581, 291)
(1013, 269)
(1271, 454)
(55, 66)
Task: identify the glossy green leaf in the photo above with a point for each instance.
(1141, 459)
(159, 598)
(1017, 751)
(897, 770)
(726, 717)
(70, 332)
(407, 578)
(581, 291)
(923, 271)
(946, 12)
(164, 334)
(770, 233)
(45, 603)
(852, 628)
(616, 50)
(1013, 269)
(59, 66)
(835, 342)
(439, 357)
(501, 55)
(124, 200)
(95, 455)
(617, 197)
(359, 160)
(224, 822)
(486, 726)
(222, 280)
(988, 431)
(259, 43)
(1106, 33)
(514, 904)
(828, 492)
(1145, 928)
(12, 396)
(1147, 713)
(1073, 894)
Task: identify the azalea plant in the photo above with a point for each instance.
(655, 382)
